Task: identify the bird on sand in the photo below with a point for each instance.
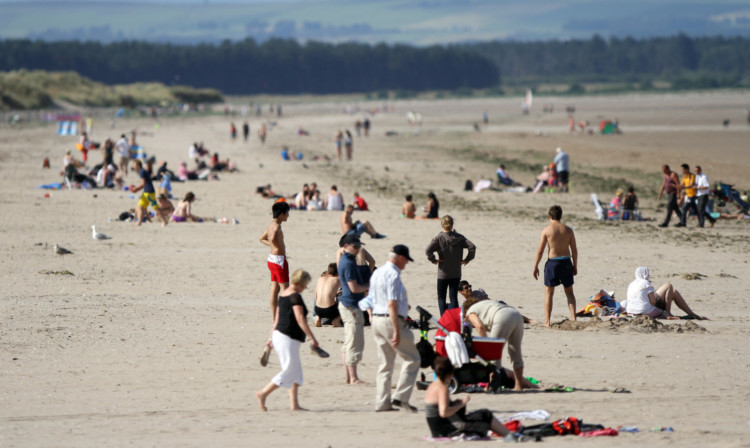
(61, 250)
(98, 236)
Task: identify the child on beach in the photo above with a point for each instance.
(562, 262)
(273, 237)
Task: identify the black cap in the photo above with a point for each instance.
(400, 249)
(350, 238)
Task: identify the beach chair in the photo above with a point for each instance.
(598, 206)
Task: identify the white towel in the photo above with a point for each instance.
(456, 349)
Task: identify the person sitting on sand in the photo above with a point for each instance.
(543, 179)
(504, 179)
(447, 418)
(326, 305)
(615, 206)
(497, 319)
(433, 207)
(300, 201)
(314, 202)
(629, 205)
(287, 335)
(348, 227)
(408, 210)
(643, 299)
(165, 205)
(360, 203)
(183, 212)
(334, 200)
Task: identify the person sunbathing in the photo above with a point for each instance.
(643, 299)
(447, 418)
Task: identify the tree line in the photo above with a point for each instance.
(620, 58)
(245, 67)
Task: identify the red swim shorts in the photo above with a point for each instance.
(279, 268)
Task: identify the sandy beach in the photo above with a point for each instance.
(153, 338)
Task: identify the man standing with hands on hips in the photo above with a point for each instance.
(392, 334)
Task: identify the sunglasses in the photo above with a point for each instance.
(466, 287)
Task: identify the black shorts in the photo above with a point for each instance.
(557, 272)
(327, 313)
(562, 176)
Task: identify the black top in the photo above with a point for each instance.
(434, 210)
(629, 202)
(287, 323)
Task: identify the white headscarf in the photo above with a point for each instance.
(642, 279)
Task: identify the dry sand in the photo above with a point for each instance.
(154, 339)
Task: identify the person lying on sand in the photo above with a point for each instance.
(643, 299)
(359, 227)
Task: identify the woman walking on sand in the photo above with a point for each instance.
(289, 330)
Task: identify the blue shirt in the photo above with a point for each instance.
(148, 187)
(348, 270)
(561, 161)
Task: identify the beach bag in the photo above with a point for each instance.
(426, 353)
(568, 425)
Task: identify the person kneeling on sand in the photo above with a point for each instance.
(643, 299)
(448, 418)
(183, 212)
(326, 305)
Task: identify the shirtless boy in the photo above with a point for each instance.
(357, 228)
(325, 297)
(273, 237)
(562, 262)
(408, 210)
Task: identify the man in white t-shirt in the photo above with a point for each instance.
(704, 190)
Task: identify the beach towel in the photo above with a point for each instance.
(53, 186)
(456, 349)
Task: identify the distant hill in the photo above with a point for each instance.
(39, 89)
(420, 22)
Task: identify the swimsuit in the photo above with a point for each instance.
(176, 218)
(331, 312)
(279, 268)
(558, 270)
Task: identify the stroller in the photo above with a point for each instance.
(468, 376)
(727, 194)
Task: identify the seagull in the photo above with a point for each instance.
(98, 236)
(61, 250)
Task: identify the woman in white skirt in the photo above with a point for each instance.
(289, 330)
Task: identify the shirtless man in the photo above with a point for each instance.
(273, 237)
(562, 262)
(357, 228)
(408, 210)
(326, 306)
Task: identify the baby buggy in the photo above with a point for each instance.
(469, 375)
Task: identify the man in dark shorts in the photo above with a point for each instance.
(562, 263)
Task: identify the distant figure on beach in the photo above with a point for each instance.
(366, 125)
(671, 185)
(704, 190)
(358, 128)
(449, 246)
(690, 203)
(359, 203)
(562, 162)
(644, 299)
(334, 200)
(503, 178)
(433, 207)
(262, 130)
(233, 131)
(338, 139)
(245, 130)
(184, 211)
(326, 305)
(287, 335)
(357, 228)
(278, 265)
(300, 201)
(348, 144)
(408, 209)
(148, 196)
(615, 206)
(562, 262)
(108, 152)
(123, 150)
(630, 205)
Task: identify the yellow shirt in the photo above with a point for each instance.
(687, 181)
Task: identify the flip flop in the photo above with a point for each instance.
(265, 355)
(319, 351)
